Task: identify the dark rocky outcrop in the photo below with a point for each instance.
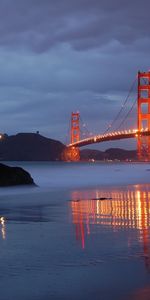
(10, 176)
(29, 147)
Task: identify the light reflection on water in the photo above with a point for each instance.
(108, 260)
(3, 227)
(122, 209)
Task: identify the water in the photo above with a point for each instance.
(71, 175)
(83, 233)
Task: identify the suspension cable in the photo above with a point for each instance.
(127, 114)
(87, 131)
(122, 107)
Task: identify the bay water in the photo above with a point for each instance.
(82, 232)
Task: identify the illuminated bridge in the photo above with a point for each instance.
(141, 133)
(112, 136)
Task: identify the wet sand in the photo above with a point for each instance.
(69, 244)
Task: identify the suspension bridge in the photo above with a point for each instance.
(141, 108)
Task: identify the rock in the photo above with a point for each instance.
(14, 176)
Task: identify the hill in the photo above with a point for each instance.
(109, 154)
(35, 147)
(30, 147)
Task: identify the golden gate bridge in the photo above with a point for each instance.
(141, 132)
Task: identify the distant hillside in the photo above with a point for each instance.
(35, 147)
(30, 147)
(88, 154)
(110, 154)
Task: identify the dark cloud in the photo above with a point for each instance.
(59, 56)
(40, 25)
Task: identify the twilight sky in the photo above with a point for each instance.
(64, 55)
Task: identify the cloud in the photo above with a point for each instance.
(40, 25)
(61, 56)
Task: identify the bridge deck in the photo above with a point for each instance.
(118, 135)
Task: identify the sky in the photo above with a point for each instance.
(64, 55)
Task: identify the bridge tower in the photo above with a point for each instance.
(75, 127)
(143, 118)
(72, 153)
